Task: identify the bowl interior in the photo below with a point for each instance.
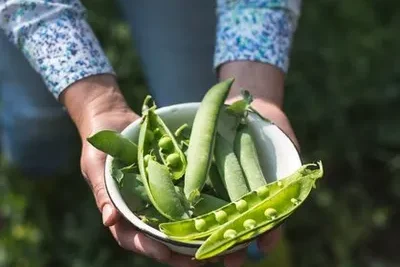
(278, 155)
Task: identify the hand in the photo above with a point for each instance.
(266, 83)
(267, 241)
(95, 103)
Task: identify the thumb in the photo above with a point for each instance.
(92, 166)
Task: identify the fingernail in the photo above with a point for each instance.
(254, 253)
(106, 213)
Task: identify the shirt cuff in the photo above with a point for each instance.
(63, 49)
(260, 34)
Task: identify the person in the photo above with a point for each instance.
(56, 82)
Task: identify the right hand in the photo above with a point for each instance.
(95, 103)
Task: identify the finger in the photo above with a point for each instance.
(268, 241)
(92, 162)
(133, 240)
(235, 259)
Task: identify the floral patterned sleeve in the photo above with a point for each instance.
(55, 38)
(256, 30)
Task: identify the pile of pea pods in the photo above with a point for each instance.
(194, 184)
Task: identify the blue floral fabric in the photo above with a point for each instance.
(256, 30)
(60, 45)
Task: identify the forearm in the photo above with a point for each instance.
(253, 45)
(263, 81)
(93, 97)
(56, 39)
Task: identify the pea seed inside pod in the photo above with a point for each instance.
(200, 225)
(295, 201)
(221, 216)
(146, 159)
(173, 160)
(270, 213)
(230, 233)
(157, 133)
(249, 224)
(149, 136)
(165, 143)
(262, 192)
(241, 205)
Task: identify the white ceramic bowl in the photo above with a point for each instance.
(278, 157)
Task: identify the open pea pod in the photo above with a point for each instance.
(162, 142)
(204, 225)
(261, 218)
(157, 177)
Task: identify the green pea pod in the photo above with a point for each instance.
(208, 203)
(162, 142)
(115, 145)
(245, 150)
(202, 138)
(260, 218)
(229, 168)
(215, 182)
(165, 198)
(203, 225)
(156, 178)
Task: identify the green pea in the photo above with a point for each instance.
(157, 133)
(230, 233)
(149, 136)
(249, 224)
(199, 152)
(200, 225)
(185, 230)
(147, 158)
(115, 145)
(295, 201)
(173, 160)
(263, 191)
(229, 169)
(299, 189)
(165, 143)
(245, 150)
(221, 216)
(270, 213)
(241, 205)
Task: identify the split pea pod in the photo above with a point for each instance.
(162, 142)
(202, 138)
(156, 178)
(260, 218)
(229, 169)
(245, 150)
(115, 145)
(203, 225)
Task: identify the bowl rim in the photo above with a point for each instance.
(158, 235)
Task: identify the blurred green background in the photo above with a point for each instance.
(343, 99)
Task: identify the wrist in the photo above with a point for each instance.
(265, 82)
(91, 98)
